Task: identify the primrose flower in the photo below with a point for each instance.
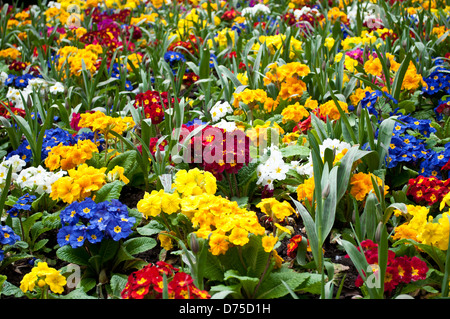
(43, 276)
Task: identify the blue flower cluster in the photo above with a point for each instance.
(91, 221)
(438, 80)
(7, 237)
(115, 73)
(434, 161)
(371, 98)
(405, 147)
(173, 57)
(19, 81)
(52, 138)
(23, 204)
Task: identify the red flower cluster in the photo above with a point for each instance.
(402, 269)
(154, 145)
(17, 66)
(191, 45)
(293, 245)
(216, 150)
(148, 283)
(289, 18)
(229, 15)
(5, 113)
(429, 190)
(190, 78)
(98, 16)
(153, 103)
(303, 126)
(103, 38)
(444, 107)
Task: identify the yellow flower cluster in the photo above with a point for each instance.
(11, 53)
(187, 183)
(79, 184)
(361, 185)
(412, 79)
(221, 219)
(275, 209)
(102, 123)
(276, 42)
(194, 182)
(425, 229)
(43, 275)
(351, 42)
(221, 38)
(156, 202)
(294, 112)
(67, 157)
(306, 190)
(73, 57)
(117, 173)
(134, 60)
(278, 74)
(330, 109)
(416, 219)
(147, 18)
(214, 217)
(287, 79)
(359, 94)
(263, 133)
(54, 15)
(253, 97)
(373, 66)
(335, 13)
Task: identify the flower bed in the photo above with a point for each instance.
(225, 149)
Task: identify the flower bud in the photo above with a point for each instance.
(194, 243)
(326, 191)
(29, 102)
(102, 277)
(359, 109)
(378, 232)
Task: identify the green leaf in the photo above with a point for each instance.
(152, 228)
(247, 283)
(127, 160)
(118, 283)
(109, 191)
(78, 256)
(78, 293)
(398, 80)
(273, 286)
(8, 289)
(295, 150)
(138, 245)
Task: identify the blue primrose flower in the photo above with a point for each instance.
(128, 85)
(370, 100)
(172, 57)
(8, 236)
(63, 236)
(22, 204)
(77, 236)
(94, 235)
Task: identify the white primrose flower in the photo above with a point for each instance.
(257, 9)
(225, 125)
(38, 179)
(334, 144)
(3, 77)
(273, 168)
(219, 110)
(58, 87)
